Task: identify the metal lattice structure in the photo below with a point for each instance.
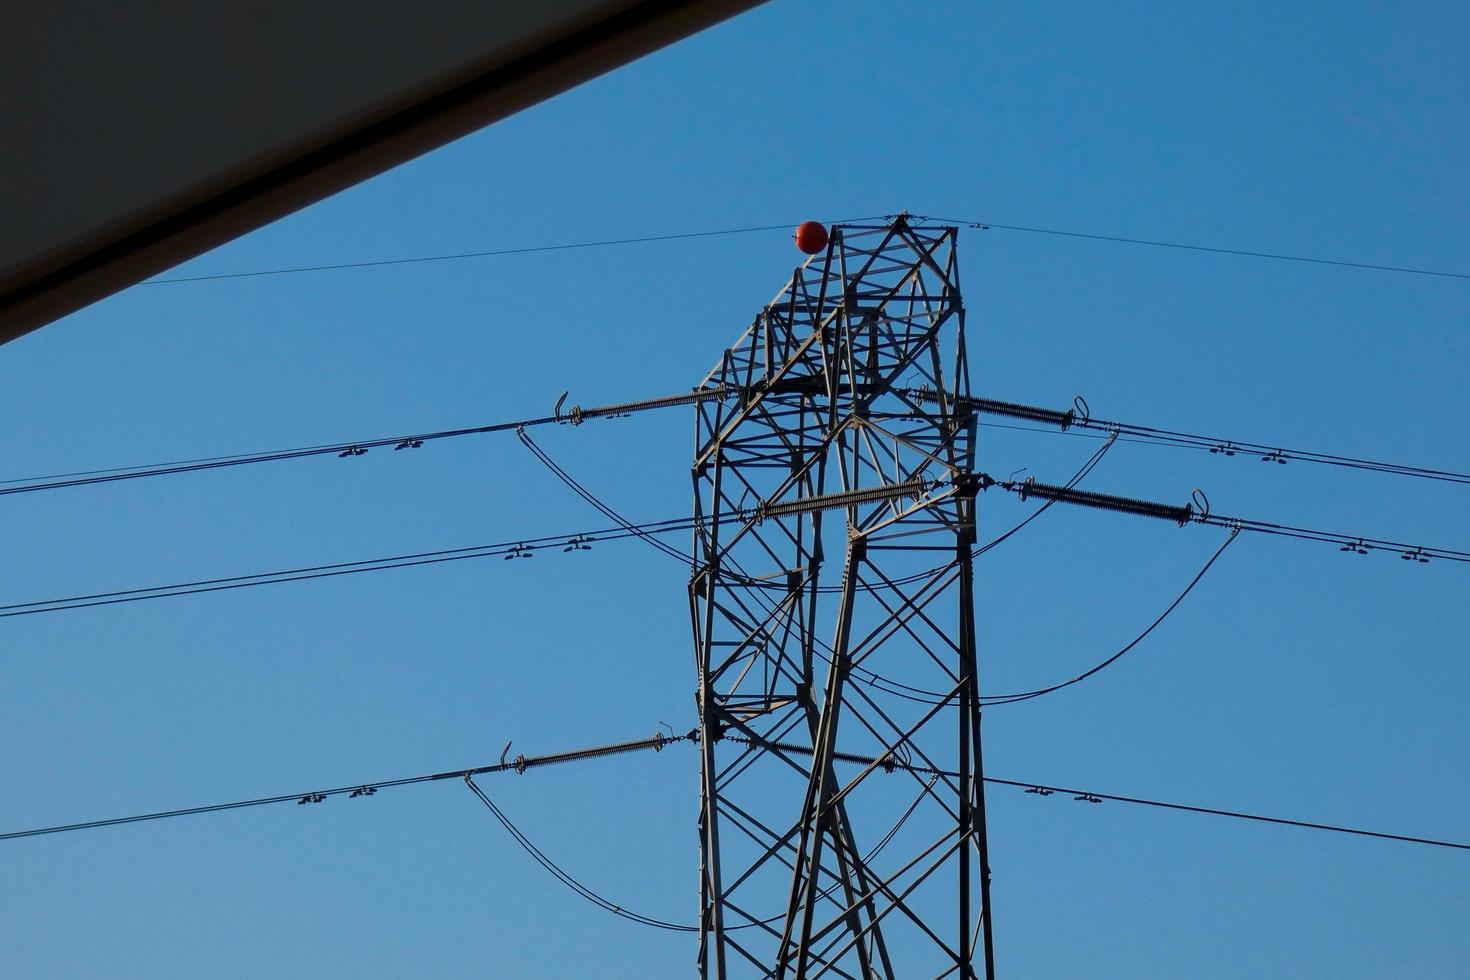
(842, 817)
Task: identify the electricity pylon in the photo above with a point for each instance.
(842, 817)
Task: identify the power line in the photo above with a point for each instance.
(1346, 542)
(924, 696)
(1094, 796)
(545, 459)
(508, 550)
(656, 743)
(1186, 514)
(1104, 664)
(574, 416)
(489, 253)
(520, 764)
(582, 541)
(587, 893)
(1216, 250)
(783, 226)
(1267, 453)
(566, 879)
(1067, 422)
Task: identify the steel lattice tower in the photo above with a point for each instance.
(842, 814)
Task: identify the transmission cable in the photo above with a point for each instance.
(490, 253)
(923, 696)
(889, 763)
(1071, 421)
(526, 547)
(1248, 253)
(519, 764)
(587, 893)
(1345, 542)
(507, 550)
(656, 743)
(556, 872)
(784, 226)
(996, 699)
(1185, 514)
(592, 499)
(575, 416)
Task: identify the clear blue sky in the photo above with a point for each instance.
(1296, 680)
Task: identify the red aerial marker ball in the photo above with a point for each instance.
(811, 237)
